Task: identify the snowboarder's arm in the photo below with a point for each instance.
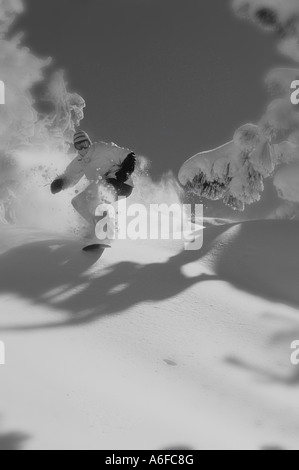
(127, 168)
(71, 176)
(73, 173)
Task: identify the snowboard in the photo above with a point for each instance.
(95, 247)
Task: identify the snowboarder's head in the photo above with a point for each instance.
(82, 142)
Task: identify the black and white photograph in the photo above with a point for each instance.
(149, 227)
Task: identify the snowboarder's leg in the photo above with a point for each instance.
(81, 204)
(10, 214)
(89, 200)
(2, 213)
(122, 189)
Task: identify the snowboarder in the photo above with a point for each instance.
(106, 166)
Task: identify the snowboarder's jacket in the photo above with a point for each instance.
(103, 161)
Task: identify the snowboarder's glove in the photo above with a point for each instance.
(127, 168)
(57, 186)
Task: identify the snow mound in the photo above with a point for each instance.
(159, 340)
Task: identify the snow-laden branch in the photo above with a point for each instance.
(235, 172)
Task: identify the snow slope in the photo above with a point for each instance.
(149, 346)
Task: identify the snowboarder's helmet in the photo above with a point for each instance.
(81, 136)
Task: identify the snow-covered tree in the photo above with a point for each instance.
(235, 172)
(20, 121)
(29, 137)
